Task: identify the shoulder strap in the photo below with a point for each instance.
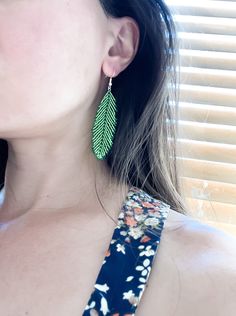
(128, 261)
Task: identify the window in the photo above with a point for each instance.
(207, 109)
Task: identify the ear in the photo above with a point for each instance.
(122, 45)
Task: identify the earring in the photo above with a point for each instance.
(104, 125)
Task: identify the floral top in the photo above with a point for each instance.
(128, 260)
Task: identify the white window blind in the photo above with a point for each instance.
(207, 103)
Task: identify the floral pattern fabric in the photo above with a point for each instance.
(128, 260)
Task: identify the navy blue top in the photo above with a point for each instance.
(128, 260)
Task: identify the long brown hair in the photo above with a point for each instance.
(147, 93)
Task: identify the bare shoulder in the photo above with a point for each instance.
(188, 231)
(194, 272)
(208, 244)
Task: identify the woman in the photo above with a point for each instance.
(88, 143)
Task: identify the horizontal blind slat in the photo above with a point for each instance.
(207, 170)
(213, 211)
(208, 77)
(207, 25)
(210, 42)
(208, 59)
(206, 151)
(205, 190)
(207, 132)
(207, 95)
(206, 113)
(204, 8)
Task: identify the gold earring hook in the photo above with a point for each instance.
(110, 81)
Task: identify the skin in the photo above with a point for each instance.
(54, 59)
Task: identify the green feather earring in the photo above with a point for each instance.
(104, 125)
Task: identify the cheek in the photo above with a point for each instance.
(46, 58)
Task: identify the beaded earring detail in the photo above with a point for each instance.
(104, 125)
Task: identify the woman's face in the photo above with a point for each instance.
(51, 54)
